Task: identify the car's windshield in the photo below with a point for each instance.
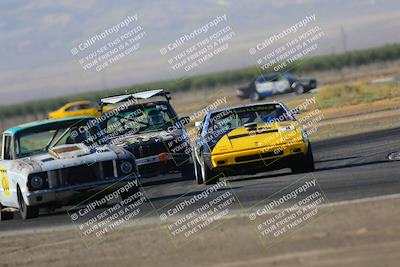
(141, 118)
(39, 140)
(259, 114)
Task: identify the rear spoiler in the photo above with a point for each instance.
(141, 95)
(137, 96)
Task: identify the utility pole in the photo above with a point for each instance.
(344, 43)
(344, 38)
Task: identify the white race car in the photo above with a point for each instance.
(52, 163)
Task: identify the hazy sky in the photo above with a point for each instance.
(37, 37)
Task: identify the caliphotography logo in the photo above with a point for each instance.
(199, 133)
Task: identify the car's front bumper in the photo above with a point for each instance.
(264, 165)
(261, 154)
(75, 192)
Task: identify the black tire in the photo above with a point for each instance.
(306, 164)
(299, 89)
(5, 215)
(188, 172)
(208, 176)
(255, 96)
(27, 212)
(197, 171)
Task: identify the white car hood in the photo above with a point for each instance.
(67, 156)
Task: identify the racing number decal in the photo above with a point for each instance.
(4, 181)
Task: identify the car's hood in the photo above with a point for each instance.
(271, 134)
(66, 156)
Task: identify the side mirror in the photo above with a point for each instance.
(198, 125)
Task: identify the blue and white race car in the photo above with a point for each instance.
(275, 83)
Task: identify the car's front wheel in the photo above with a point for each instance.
(305, 164)
(208, 176)
(5, 215)
(197, 171)
(27, 212)
(299, 89)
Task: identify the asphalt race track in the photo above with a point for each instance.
(347, 168)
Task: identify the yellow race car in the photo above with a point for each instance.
(78, 108)
(249, 139)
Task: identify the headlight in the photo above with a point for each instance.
(126, 167)
(304, 134)
(37, 181)
(287, 128)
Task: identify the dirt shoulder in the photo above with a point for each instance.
(356, 234)
(336, 126)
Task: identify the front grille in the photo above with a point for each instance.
(258, 156)
(80, 174)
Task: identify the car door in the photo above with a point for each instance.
(90, 109)
(72, 111)
(8, 196)
(80, 110)
(282, 84)
(265, 86)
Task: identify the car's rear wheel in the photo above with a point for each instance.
(299, 89)
(208, 176)
(305, 164)
(255, 96)
(5, 215)
(27, 212)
